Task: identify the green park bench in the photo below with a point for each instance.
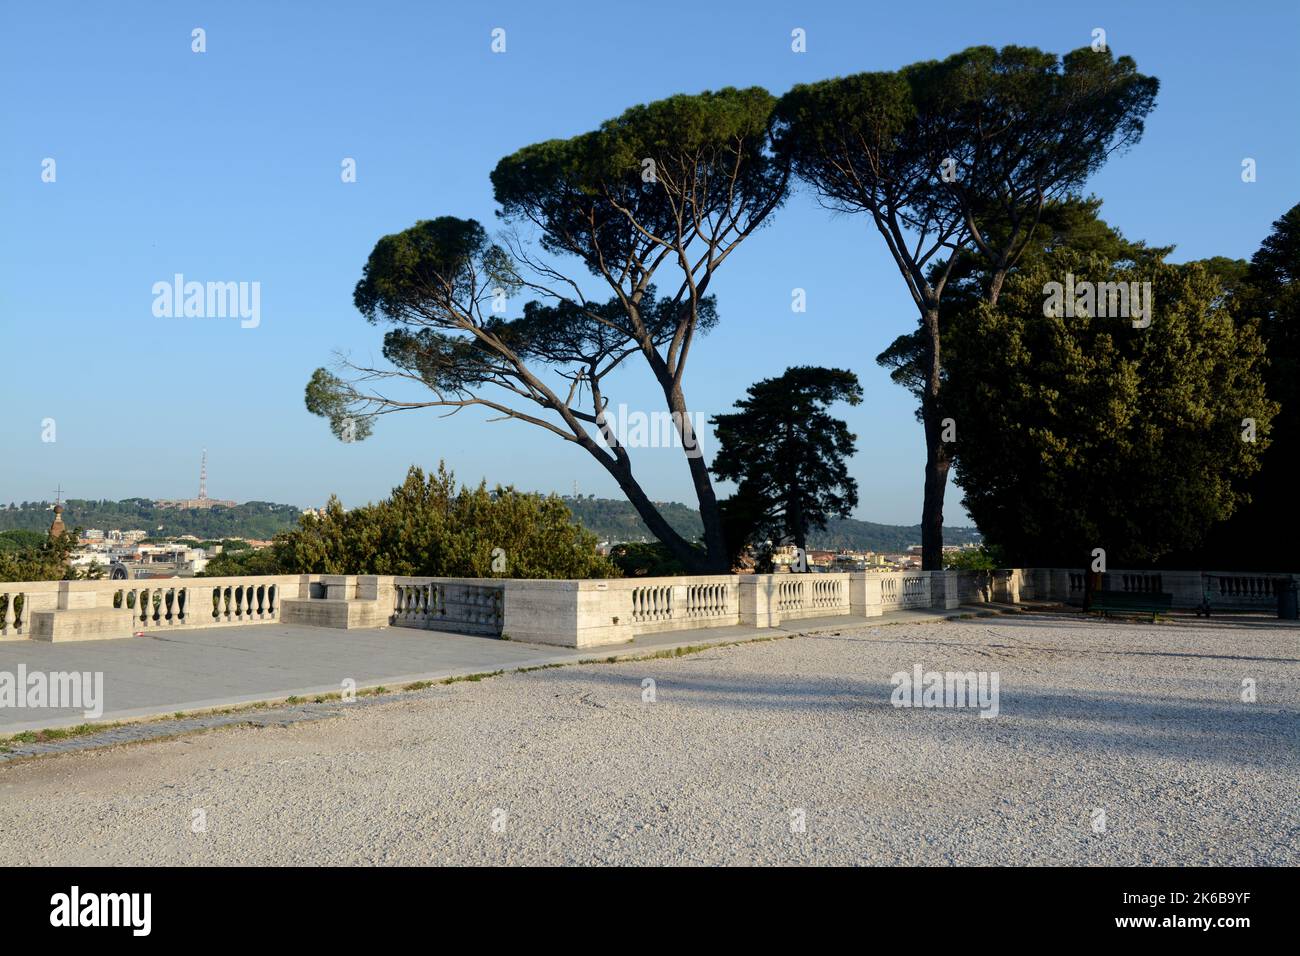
(1131, 602)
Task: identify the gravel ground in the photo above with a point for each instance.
(742, 743)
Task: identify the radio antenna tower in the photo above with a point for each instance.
(203, 477)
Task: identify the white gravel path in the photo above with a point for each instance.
(569, 765)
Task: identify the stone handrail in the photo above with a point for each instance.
(574, 613)
(1224, 590)
(463, 604)
(87, 610)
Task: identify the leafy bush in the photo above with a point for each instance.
(427, 527)
(983, 558)
(43, 560)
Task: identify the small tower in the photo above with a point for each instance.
(57, 530)
(203, 477)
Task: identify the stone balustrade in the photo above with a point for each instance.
(19, 600)
(1223, 590)
(88, 610)
(573, 613)
(474, 606)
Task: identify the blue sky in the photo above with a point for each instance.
(225, 166)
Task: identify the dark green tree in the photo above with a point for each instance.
(787, 454)
(39, 559)
(1083, 432)
(664, 193)
(1268, 289)
(1072, 222)
(959, 154)
(21, 540)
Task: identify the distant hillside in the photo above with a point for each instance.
(854, 535)
(254, 519)
(616, 521)
(610, 519)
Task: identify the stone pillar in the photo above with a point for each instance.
(943, 589)
(864, 594)
(679, 600)
(758, 601)
(587, 613)
(1006, 586)
(1186, 587)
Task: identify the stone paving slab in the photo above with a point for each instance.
(207, 669)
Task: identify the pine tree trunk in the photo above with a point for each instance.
(681, 549)
(937, 460)
(717, 560)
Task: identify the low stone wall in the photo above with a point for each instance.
(472, 605)
(594, 613)
(20, 600)
(974, 587)
(340, 601)
(1223, 590)
(572, 613)
(90, 610)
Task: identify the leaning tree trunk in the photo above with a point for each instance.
(937, 459)
(717, 560)
(681, 549)
(715, 542)
(620, 469)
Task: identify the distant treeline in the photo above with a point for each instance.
(610, 519)
(254, 519)
(617, 522)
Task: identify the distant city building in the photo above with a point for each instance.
(202, 501)
(88, 559)
(167, 560)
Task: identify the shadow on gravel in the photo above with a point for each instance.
(1180, 620)
(1127, 725)
(1071, 651)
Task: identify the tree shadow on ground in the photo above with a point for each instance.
(1074, 651)
(1033, 719)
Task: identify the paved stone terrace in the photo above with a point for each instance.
(182, 671)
